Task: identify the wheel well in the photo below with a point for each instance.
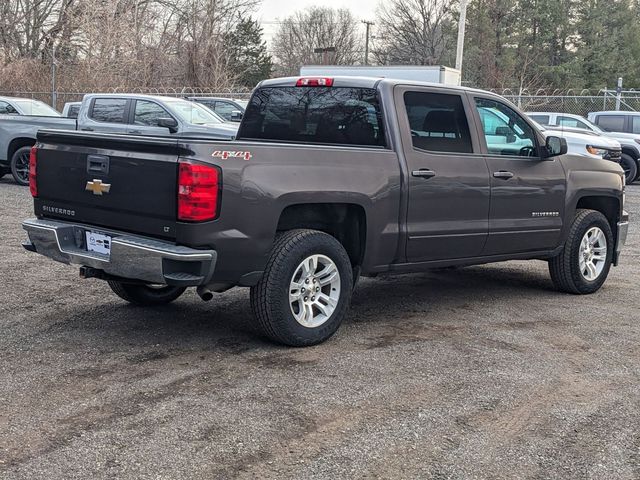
(17, 143)
(346, 222)
(608, 206)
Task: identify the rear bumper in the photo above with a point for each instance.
(621, 236)
(131, 257)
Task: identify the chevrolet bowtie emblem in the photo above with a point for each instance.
(97, 187)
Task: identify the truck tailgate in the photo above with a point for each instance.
(127, 183)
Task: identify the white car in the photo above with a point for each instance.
(630, 143)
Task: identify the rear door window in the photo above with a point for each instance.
(320, 115)
(109, 110)
(635, 124)
(611, 123)
(438, 122)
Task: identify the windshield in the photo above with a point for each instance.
(194, 113)
(36, 107)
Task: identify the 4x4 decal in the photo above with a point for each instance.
(224, 154)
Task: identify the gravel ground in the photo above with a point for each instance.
(482, 372)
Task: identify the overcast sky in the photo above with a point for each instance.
(272, 10)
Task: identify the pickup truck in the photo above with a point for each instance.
(113, 113)
(329, 179)
(630, 142)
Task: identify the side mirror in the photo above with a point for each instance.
(555, 146)
(236, 116)
(168, 122)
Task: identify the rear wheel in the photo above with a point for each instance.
(630, 167)
(147, 295)
(20, 165)
(306, 288)
(584, 263)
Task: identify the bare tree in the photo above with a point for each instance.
(414, 32)
(125, 43)
(336, 31)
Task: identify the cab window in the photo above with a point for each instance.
(611, 123)
(505, 131)
(148, 113)
(541, 119)
(7, 108)
(109, 110)
(438, 122)
(571, 123)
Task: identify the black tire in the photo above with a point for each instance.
(146, 295)
(20, 174)
(270, 297)
(564, 268)
(630, 167)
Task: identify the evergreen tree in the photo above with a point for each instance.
(248, 56)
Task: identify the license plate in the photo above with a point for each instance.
(98, 242)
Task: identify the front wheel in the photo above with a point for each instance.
(20, 165)
(630, 167)
(147, 295)
(584, 263)
(305, 290)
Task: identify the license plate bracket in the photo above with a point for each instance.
(98, 242)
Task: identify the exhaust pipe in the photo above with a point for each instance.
(204, 293)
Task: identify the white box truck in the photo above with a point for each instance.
(433, 74)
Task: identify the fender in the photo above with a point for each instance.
(592, 183)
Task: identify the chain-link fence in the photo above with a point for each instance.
(58, 99)
(579, 102)
(576, 102)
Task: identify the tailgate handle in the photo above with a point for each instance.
(98, 164)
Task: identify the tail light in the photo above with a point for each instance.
(314, 82)
(198, 192)
(33, 179)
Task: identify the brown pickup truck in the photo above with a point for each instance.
(329, 179)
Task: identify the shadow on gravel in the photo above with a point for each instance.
(225, 323)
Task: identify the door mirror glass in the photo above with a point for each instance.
(555, 146)
(236, 116)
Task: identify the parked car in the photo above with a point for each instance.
(111, 113)
(229, 109)
(630, 143)
(71, 109)
(582, 142)
(330, 178)
(26, 106)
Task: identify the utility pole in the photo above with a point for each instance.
(461, 26)
(366, 41)
(54, 95)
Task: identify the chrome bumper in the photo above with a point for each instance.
(131, 256)
(621, 236)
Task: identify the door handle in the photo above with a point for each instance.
(423, 173)
(87, 129)
(135, 132)
(503, 174)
